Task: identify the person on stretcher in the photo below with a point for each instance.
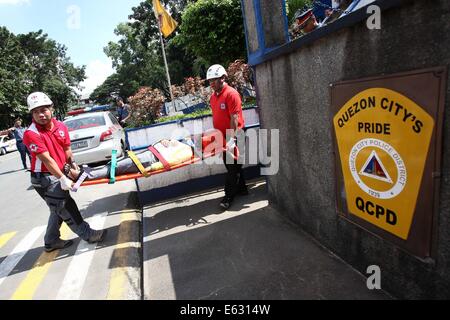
(173, 151)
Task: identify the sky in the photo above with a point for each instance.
(84, 26)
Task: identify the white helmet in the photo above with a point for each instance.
(38, 99)
(216, 71)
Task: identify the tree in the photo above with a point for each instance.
(146, 105)
(240, 77)
(33, 62)
(213, 30)
(181, 60)
(51, 70)
(137, 55)
(293, 5)
(15, 82)
(144, 20)
(214, 34)
(104, 93)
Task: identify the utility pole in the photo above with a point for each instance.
(166, 65)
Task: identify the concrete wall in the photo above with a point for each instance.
(293, 95)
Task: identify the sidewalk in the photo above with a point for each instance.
(193, 250)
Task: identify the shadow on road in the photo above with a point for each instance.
(31, 257)
(11, 171)
(198, 252)
(190, 216)
(108, 205)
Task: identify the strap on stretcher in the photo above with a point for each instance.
(112, 175)
(138, 163)
(160, 158)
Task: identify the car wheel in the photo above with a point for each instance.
(2, 152)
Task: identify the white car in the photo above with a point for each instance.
(94, 135)
(7, 145)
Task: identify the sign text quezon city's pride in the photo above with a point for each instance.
(383, 139)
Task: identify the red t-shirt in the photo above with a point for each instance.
(39, 140)
(225, 104)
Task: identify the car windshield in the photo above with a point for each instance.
(85, 122)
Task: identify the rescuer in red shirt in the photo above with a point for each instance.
(227, 114)
(49, 144)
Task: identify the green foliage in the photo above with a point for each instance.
(137, 56)
(146, 105)
(196, 114)
(33, 62)
(249, 103)
(214, 31)
(103, 93)
(181, 62)
(210, 31)
(293, 5)
(14, 78)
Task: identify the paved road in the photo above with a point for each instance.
(110, 270)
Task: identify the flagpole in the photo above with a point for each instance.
(166, 65)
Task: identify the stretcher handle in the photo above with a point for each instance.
(80, 180)
(112, 174)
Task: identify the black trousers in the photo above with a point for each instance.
(62, 208)
(23, 152)
(234, 179)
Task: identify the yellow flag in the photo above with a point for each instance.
(166, 22)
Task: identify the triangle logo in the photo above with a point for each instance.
(374, 168)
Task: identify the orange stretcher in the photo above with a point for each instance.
(210, 144)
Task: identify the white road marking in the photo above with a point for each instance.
(19, 251)
(77, 271)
